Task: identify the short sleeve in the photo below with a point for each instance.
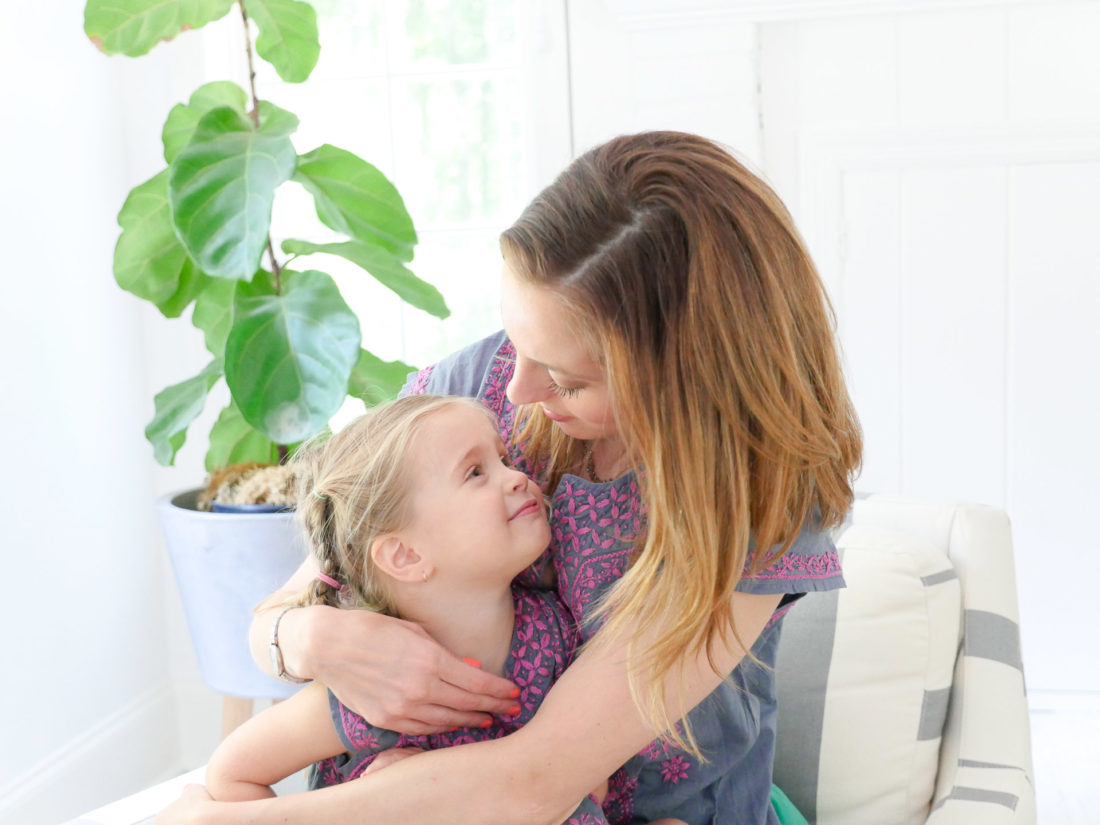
(354, 731)
(461, 373)
(811, 564)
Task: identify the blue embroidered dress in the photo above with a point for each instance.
(592, 529)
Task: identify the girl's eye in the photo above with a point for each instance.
(564, 392)
(474, 472)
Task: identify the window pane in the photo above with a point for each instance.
(460, 153)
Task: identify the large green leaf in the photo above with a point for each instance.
(356, 199)
(184, 117)
(221, 188)
(214, 313)
(375, 381)
(149, 261)
(133, 27)
(233, 440)
(288, 36)
(175, 408)
(384, 266)
(288, 357)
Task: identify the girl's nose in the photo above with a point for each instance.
(517, 480)
(526, 386)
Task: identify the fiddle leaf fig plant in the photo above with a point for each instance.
(197, 235)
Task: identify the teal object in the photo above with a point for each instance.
(786, 811)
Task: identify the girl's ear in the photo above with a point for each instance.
(395, 557)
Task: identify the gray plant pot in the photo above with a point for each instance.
(226, 564)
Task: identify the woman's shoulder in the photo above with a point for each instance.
(465, 372)
(811, 563)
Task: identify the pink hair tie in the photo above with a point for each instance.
(330, 581)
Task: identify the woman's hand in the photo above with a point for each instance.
(188, 809)
(389, 671)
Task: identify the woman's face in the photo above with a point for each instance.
(553, 369)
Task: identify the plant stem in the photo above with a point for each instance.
(255, 113)
(276, 270)
(284, 453)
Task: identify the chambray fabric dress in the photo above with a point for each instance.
(593, 530)
(543, 640)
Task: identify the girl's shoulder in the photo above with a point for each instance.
(468, 372)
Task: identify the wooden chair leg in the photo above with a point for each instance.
(235, 712)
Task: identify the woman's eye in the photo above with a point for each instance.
(563, 392)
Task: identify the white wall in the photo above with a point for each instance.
(86, 615)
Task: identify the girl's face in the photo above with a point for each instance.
(474, 517)
(553, 369)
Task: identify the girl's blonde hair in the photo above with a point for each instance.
(686, 278)
(355, 487)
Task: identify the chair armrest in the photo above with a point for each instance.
(986, 794)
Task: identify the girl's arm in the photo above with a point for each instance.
(586, 728)
(285, 738)
(389, 671)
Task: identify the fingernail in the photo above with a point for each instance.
(514, 694)
(451, 730)
(486, 723)
(514, 710)
(473, 663)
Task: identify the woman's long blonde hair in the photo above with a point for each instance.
(355, 487)
(687, 279)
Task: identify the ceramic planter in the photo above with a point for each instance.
(226, 564)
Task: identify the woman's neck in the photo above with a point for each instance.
(471, 623)
(606, 459)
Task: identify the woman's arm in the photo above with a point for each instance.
(389, 671)
(586, 728)
(271, 746)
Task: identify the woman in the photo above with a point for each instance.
(671, 360)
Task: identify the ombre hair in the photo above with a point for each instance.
(683, 274)
(356, 487)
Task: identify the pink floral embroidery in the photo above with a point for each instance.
(618, 805)
(798, 566)
(592, 537)
(674, 769)
(419, 383)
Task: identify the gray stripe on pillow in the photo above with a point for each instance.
(803, 678)
(974, 763)
(939, 578)
(992, 636)
(933, 714)
(1008, 800)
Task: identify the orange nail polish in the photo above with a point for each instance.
(514, 710)
(472, 662)
(514, 694)
(451, 730)
(486, 723)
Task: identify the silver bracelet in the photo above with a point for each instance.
(277, 664)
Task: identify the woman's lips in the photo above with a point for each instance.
(554, 416)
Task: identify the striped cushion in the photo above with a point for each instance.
(883, 651)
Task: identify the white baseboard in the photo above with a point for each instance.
(134, 747)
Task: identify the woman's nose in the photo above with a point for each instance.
(525, 387)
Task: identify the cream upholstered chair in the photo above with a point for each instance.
(902, 697)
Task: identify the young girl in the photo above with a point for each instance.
(411, 510)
